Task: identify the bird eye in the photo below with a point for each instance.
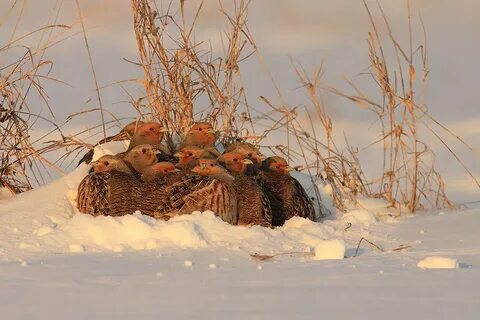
(212, 165)
(199, 129)
(106, 163)
(144, 150)
(250, 154)
(235, 159)
(190, 154)
(151, 129)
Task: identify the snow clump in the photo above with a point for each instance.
(438, 263)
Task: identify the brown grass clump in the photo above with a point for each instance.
(22, 161)
(409, 179)
(180, 73)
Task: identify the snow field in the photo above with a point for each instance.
(438, 263)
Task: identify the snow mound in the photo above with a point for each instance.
(198, 230)
(359, 217)
(5, 194)
(436, 262)
(319, 191)
(330, 250)
(46, 221)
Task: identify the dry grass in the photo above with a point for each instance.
(22, 161)
(184, 80)
(180, 73)
(409, 179)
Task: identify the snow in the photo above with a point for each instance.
(58, 263)
(359, 217)
(317, 188)
(112, 147)
(5, 193)
(330, 250)
(438, 263)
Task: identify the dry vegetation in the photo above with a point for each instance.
(22, 161)
(184, 79)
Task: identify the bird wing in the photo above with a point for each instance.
(94, 194)
(197, 193)
(302, 202)
(253, 204)
(266, 207)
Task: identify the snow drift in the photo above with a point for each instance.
(46, 220)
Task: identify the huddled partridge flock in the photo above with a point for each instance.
(240, 186)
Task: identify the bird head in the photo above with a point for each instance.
(201, 134)
(142, 156)
(162, 168)
(276, 164)
(249, 151)
(207, 167)
(148, 133)
(234, 162)
(187, 155)
(108, 163)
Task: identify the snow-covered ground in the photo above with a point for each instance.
(56, 263)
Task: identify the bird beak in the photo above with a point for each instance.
(247, 161)
(176, 170)
(92, 166)
(156, 151)
(289, 169)
(178, 155)
(164, 130)
(261, 157)
(211, 130)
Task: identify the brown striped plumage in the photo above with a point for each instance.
(192, 192)
(287, 196)
(115, 193)
(110, 193)
(253, 205)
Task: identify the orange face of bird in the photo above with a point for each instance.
(235, 162)
(107, 163)
(151, 133)
(142, 156)
(278, 164)
(163, 167)
(201, 133)
(249, 151)
(206, 167)
(188, 154)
